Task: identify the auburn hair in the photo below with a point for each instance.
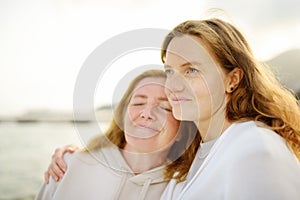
(259, 96)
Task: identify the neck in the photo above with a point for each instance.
(142, 162)
(213, 127)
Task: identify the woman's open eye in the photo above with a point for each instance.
(192, 71)
(169, 72)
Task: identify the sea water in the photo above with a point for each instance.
(26, 149)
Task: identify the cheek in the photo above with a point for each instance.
(210, 89)
(172, 124)
(199, 88)
(168, 88)
(217, 92)
(210, 96)
(216, 84)
(133, 113)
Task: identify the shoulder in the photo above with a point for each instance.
(108, 155)
(84, 157)
(257, 155)
(249, 142)
(255, 136)
(253, 145)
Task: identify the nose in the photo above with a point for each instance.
(148, 113)
(175, 83)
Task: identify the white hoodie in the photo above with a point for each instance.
(247, 162)
(103, 174)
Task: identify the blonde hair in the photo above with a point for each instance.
(181, 152)
(259, 95)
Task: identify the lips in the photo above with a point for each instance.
(177, 100)
(146, 127)
(141, 131)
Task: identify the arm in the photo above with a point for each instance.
(58, 166)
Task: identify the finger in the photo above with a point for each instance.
(56, 169)
(46, 177)
(53, 175)
(60, 164)
(71, 148)
(57, 158)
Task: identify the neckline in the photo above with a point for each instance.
(213, 150)
(205, 148)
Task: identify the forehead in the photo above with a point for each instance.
(187, 48)
(151, 86)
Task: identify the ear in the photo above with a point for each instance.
(233, 79)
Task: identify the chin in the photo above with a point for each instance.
(185, 112)
(184, 116)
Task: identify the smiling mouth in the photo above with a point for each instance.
(146, 128)
(143, 133)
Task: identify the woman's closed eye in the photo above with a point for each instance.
(166, 109)
(165, 106)
(137, 104)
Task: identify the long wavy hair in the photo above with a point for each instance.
(181, 154)
(259, 96)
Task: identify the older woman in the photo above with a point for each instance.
(134, 163)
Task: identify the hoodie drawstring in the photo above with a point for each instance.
(124, 177)
(145, 189)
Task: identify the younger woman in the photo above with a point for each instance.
(248, 121)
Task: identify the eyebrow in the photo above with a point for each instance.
(185, 64)
(140, 96)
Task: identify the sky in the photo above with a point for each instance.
(43, 43)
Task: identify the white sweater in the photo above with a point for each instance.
(103, 175)
(247, 162)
